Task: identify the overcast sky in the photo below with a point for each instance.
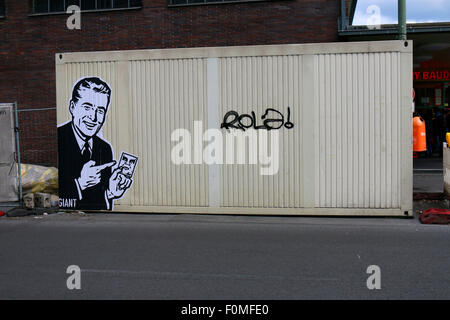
(417, 11)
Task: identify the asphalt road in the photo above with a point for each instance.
(222, 257)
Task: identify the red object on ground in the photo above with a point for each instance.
(435, 216)
(2, 213)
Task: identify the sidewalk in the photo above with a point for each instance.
(427, 164)
(428, 175)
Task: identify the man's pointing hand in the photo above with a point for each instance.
(103, 166)
(91, 174)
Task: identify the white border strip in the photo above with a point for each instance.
(237, 51)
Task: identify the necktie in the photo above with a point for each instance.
(86, 155)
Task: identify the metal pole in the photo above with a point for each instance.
(343, 16)
(19, 173)
(401, 19)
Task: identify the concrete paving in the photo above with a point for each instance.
(428, 175)
(428, 182)
(129, 256)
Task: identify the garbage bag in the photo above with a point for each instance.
(39, 179)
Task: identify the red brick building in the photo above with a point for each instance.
(31, 32)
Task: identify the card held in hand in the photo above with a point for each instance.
(128, 163)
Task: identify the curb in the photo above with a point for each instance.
(429, 196)
(439, 171)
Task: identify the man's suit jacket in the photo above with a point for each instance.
(70, 163)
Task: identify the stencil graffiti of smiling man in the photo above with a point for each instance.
(88, 109)
(86, 178)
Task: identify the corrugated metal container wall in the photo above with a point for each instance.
(349, 152)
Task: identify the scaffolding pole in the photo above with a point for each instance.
(19, 172)
(401, 19)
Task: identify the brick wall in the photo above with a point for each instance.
(28, 44)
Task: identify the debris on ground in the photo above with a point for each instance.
(22, 212)
(435, 216)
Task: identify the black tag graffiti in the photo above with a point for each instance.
(232, 120)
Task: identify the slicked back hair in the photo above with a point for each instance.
(94, 83)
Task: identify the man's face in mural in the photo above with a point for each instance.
(89, 111)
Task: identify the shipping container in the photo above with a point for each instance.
(298, 129)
